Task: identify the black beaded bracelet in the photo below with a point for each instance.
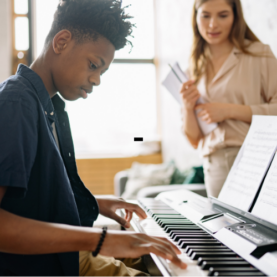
(103, 235)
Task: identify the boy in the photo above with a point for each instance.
(46, 212)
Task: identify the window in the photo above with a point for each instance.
(124, 106)
(21, 22)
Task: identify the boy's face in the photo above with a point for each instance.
(77, 68)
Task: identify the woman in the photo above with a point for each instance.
(236, 74)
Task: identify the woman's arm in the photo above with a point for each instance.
(240, 112)
(191, 128)
(218, 112)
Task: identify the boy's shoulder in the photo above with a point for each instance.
(19, 90)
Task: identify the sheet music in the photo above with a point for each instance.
(251, 164)
(266, 204)
(174, 85)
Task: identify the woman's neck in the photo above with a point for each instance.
(220, 50)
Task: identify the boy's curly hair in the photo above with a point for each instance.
(87, 19)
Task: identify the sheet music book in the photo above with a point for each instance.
(251, 164)
(173, 82)
(266, 204)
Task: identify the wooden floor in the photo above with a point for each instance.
(98, 174)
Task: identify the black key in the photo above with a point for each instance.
(240, 274)
(184, 232)
(174, 221)
(219, 259)
(191, 236)
(168, 229)
(201, 247)
(212, 270)
(198, 255)
(180, 223)
(166, 216)
(190, 232)
(184, 243)
(208, 265)
(192, 251)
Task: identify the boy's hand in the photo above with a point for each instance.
(134, 245)
(109, 206)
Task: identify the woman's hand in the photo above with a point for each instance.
(108, 207)
(214, 112)
(134, 245)
(190, 95)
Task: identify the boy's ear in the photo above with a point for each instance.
(61, 40)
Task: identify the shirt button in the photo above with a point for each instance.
(69, 154)
(52, 113)
(46, 112)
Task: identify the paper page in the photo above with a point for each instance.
(251, 164)
(266, 204)
(174, 85)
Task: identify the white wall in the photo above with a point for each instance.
(174, 38)
(5, 40)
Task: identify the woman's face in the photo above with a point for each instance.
(215, 20)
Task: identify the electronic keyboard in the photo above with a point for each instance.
(216, 239)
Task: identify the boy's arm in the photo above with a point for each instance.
(20, 235)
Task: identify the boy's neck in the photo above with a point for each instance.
(42, 67)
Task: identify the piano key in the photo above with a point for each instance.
(198, 255)
(194, 240)
(175, 219)
(208, 265)
(180, 223)
(168, 229)
(177, 238)
(203, 247)
(224, 270)
(184, 243)
(218, 259)
(192, 251)
(165, 215)
(240, 274)
(155, 217)
(176, 222)
(190, 232)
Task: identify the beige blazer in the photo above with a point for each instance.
(246, 80)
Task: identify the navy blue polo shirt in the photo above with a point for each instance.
(42, 182)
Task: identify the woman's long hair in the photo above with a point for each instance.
(240, 31)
